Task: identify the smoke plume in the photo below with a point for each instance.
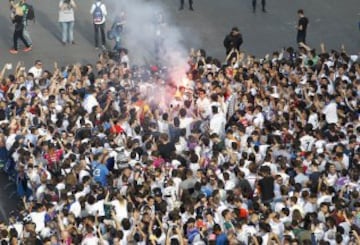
(143, 32)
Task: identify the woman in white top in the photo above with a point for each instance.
(66, 19)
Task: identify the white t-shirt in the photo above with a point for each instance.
(37, 72)
(125, 59)
(163, 126)
(75, 208)
(39, 219)
(309, 207)
(331, 179)
(124, 240)
(80, 194)
(120, 209)
(314, 120)
(229, 185)
(40, 191)
(217, 124)
(277, 227)
(204, 107)
(34, 177)
(323, 198)
(272, 167)
(82, 174)
(344, 161)
(96, 208)
(330, 111)
(90, 240)
(259, 120)
(185, 122)
(307, 142)
(89, 102)
(66, 12)
(10, 140)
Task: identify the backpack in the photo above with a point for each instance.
(98, 14)
(30, 13)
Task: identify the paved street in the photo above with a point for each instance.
(334, 22)
(331, 21)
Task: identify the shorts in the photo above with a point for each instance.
(300, 38)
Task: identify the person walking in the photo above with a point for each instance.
(19, 31)
(233, 40)
(263, 3)
(25, 10)
(66, 20)
(117, 29)
(190, 5)
(98, 11)
(301, 28)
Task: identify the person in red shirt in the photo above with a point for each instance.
(53, 155)
(116, 128)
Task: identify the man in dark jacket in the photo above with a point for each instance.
(233, 40)
(18, 32)
(262, 5)
(190, 5)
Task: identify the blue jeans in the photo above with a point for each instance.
(26, 35)
(117, 42)
(67, 31)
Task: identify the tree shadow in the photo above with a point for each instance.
(50, 25)
(8, 30)
(84, 27)
(86, 30)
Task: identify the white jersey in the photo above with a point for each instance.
(307, 143)
(314, 120)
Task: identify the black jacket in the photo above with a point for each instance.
(232, 41)
(18, 21)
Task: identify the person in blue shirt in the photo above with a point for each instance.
(221, 238)
(4, 154)
(100, 171)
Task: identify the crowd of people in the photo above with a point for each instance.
(248, 150)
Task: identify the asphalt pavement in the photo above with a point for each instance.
(331, 21)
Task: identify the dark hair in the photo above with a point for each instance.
(174, 241)
(182, 112)
(217, 228)
(125, 223)
(235, 29)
